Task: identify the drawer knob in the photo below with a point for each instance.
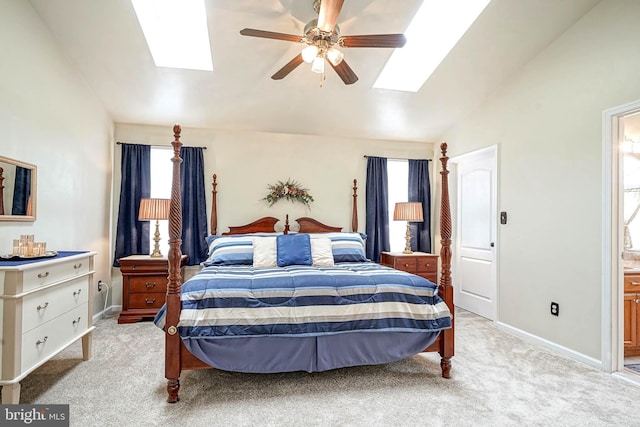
(43, 275)
(76, 293)
(150, 301)
(406, 265)
(77, 266)
(150, 285)
(42, 307)
(42, 341)
(75, 322)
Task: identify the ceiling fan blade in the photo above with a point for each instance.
(345, 72)
(328, 14)
(374, 40)
(270, 35)
(291, 65)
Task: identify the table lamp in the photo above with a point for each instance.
(157, 209)
(410, 212)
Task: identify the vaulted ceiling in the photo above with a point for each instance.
(103, 40)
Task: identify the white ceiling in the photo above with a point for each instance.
(103, 40)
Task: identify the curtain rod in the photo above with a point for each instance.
(395, 158)
(155, 145)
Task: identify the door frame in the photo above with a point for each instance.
(494, 153)
(612, 354)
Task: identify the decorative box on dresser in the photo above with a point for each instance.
(418, 263)
(144, 286)
(45, 306)
(632, 313)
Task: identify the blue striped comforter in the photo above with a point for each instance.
(243, 301)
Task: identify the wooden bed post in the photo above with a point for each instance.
(172, 338)
(214, 206)
(445, 289)
(354, 210)
(1, 192)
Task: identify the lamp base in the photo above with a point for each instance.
(156, 238)
(407, 238)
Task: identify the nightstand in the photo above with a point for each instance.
(144, 286)
(418, 263)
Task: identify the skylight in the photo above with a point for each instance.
(434, 31)
(176, 32)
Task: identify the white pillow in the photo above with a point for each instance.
(264, 252)
(321, 253)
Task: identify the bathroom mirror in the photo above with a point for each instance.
(17, 190)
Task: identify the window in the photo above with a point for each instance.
(161, 178)
(398, 179)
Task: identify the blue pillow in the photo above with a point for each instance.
(293, 249)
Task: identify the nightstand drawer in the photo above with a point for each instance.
(147, 284)
(427, 265)
(420, 263)
(147, 300)
(405, 264)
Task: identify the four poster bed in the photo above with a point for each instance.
(279, 301)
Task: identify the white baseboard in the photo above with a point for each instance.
(556, 348)
(106, 312)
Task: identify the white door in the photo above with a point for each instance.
(475, 283)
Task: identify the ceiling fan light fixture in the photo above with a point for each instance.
(309, 53)
(318, 65)
(335, 56)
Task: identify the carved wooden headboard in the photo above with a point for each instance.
(267, 224)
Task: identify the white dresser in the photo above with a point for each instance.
(45, 306)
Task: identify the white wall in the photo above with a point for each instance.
(49, 117)
(246, 162)
(547, 123)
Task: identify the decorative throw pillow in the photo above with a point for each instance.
(264, 252)
(230, 250)
(346, 247)
(321, 253)
(293, 249)
(210, 239)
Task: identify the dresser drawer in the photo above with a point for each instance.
(632, 282)
(41, 342)
(146, 300)
(54, 272)
(40, 307)
(147, 284)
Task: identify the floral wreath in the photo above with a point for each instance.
(289, 190)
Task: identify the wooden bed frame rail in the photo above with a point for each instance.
(178, 358)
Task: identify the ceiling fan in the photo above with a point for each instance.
(322, 37)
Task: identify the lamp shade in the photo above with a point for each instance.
(408, 211)
(154, 209)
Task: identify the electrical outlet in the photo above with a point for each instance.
(100, 285)
(555, 308)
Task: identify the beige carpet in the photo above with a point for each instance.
(498, 380)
